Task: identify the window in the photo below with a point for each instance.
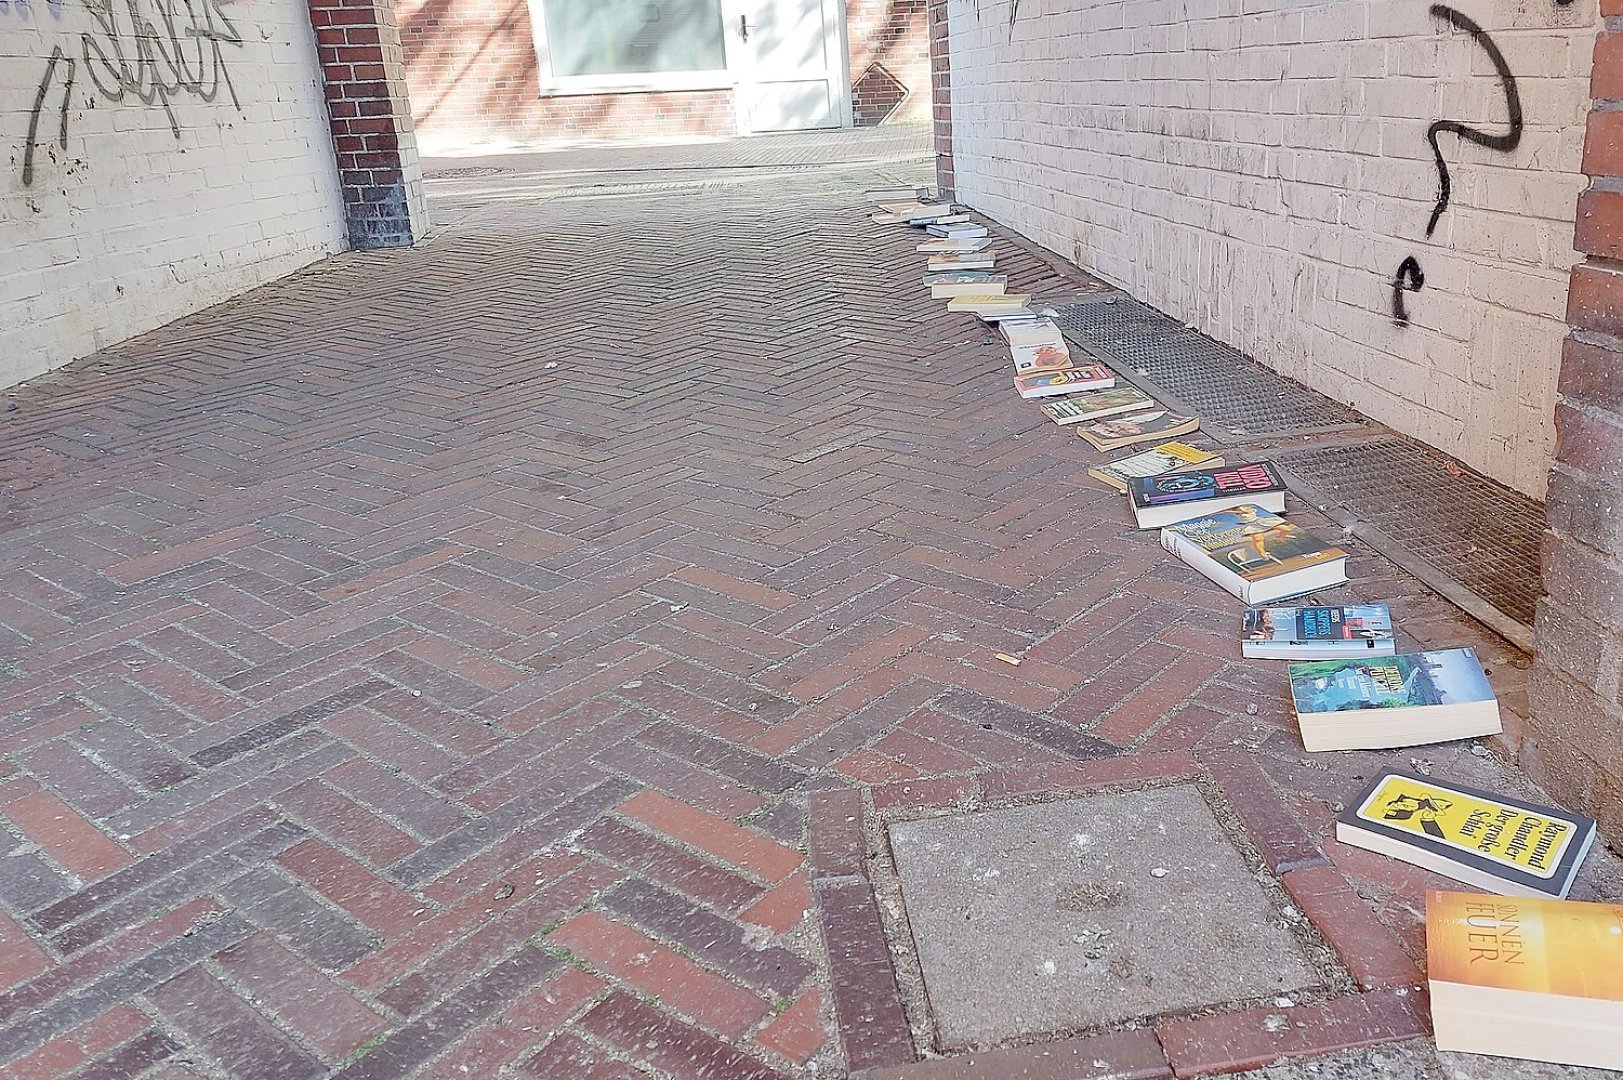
(590, 45)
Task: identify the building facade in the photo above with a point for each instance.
(494, 73)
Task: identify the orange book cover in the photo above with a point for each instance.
(1565, 947)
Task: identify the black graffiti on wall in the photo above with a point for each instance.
(1409, 276)
(131, 57)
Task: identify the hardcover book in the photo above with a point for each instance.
(1169, 457)
(1382, 701)
(1086, 407)
(1161, 500)
(1256, 555)
(1317, 633)
(1491, 841)
(1042, 384)
(1526, 978)
(1139, 427)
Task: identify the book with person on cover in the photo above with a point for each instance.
(1382, 701)
(1256, 555)
(1170, 457)
(947, 284)
(1494, 842)
(1317, 633)
(1158, 501)
(1526, 978)
(1065, 380)
(1081, 408)
(1139, 427)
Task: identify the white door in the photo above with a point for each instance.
(789, 58)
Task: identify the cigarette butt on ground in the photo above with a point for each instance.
(1007, 659)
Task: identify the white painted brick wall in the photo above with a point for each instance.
(130, 226)
(1259, 168)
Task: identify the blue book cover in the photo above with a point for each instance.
(1303, 625)
(1443, 677)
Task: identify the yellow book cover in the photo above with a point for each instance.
(1493, 841)
(1562, 947)
(971, 302)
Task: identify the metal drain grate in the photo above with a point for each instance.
(1478, 533)
(1236, 398)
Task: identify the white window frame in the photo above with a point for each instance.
(632, 82)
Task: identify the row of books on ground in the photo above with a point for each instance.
(1538, 976)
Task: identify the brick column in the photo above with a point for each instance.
(1574, 744)
(364, 72)
(941, 97)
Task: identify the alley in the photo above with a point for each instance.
(506, 654)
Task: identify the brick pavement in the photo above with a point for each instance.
(429, 665)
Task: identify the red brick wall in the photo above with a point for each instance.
(471, 66)
(1574, 743)
(363, 77)
(941, 98)
(890, 60)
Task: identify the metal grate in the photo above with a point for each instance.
(1478, 533)
(1186, 369)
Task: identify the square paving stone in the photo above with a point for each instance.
(1078, 914)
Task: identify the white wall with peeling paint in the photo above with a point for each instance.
(153, 208)
(1259, 168)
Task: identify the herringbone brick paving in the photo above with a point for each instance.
(422, 665)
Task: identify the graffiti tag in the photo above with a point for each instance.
(132, 58)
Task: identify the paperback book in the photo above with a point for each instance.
(922, 214)
(1034, 331)
(1169, 457)
(988, 303)
(956, 228)
(1526, 978)
(975, 260)
(1317, 633)
(1383, 701)
(898, 194)
(954, 243)
(1044, 356)
(945, 285)
(1139, 427)
(1085, 408)
(1494, 842)
(1158, 501)
(1044, 384)
(1256, 555)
